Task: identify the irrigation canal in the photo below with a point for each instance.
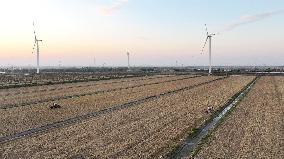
(192, 142)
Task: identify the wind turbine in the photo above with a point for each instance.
(37, 48)
(208, 37)
(128, 60)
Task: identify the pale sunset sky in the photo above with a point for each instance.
(155, 32)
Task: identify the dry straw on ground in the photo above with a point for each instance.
(23, 118)
(255, 128)
(147, 130)
(38, 93)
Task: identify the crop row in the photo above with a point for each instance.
(22, 118)
(44, 88)
(21, 80)
(40, 97)
(144, 131)
(255, 127)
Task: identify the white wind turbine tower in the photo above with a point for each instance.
(37, 49)
(209, 36)
(128, 54)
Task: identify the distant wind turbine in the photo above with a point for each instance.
(128, 64)
(209, 36)
(37, 48)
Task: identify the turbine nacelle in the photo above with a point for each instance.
(210, 35)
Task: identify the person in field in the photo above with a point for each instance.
(209, 109)
(54, 106)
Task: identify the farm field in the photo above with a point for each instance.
(20, 80)
(145, 130)
(79, 84)
(255, 127)
(75, 84)
(38, 94)
(22, 118)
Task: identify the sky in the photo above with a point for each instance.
(155, 32)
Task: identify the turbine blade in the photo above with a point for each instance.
(204, 45)
(35, 37)
(34, 30)
(34, 47)
(206, 30)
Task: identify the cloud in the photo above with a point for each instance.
(114, 6)
(251, 18)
